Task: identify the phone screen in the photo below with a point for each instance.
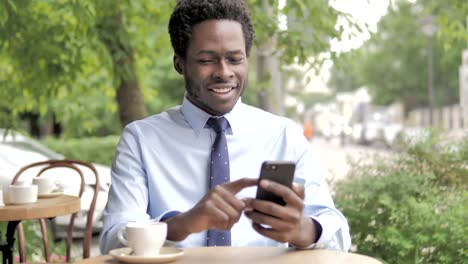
(281, 172)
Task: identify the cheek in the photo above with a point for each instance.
(243, 76)
(242, 71)
(194, 82)
(199, 75)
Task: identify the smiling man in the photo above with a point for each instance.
(195, 166)
(214, 65)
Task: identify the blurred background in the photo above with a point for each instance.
(364, 78)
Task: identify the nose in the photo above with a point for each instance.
(223, 71)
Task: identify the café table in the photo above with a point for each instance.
(257, 255)
(42, 208)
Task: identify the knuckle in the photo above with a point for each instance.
(217, 188)
(225, 218)
(236, 219)
(208, 203)
(296, 216)
(222, 220)
(290, 194)
(239, 206)
(269, 208)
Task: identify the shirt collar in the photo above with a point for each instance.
(197, 118)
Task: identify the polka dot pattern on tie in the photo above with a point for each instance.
(220, 173)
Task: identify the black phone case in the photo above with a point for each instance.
(281, 172)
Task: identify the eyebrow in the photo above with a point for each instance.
(210, 52)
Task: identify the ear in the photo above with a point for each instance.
(178, 64)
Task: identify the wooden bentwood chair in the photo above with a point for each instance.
(72, 165)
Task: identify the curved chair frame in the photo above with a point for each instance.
(71, 164)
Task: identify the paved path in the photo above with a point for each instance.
(337, 158)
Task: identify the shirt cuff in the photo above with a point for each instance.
(168, 215)
(165, 216)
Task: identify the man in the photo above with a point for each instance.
(165, 164)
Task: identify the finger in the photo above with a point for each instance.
(270, 233)
(236, 186)
(273, 222)
(299, 190)
(248, 204)
(216, 217)
(232, 215)
(228, 197)
(288, 214)
(288, 195)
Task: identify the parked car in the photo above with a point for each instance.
(17, 151)
(368, 127)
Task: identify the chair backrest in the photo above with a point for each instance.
(74, 165)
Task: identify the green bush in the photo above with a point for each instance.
(34, 245)
(93, 149)
(410, 208)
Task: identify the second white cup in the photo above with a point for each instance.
(45, 185)
(145, 239)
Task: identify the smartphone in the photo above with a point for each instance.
(281, 172)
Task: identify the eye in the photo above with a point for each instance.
(205, 61)
(236, 60)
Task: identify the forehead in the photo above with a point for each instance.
(217, 36)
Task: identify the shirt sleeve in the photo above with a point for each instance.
(318, 203)
(128, 194)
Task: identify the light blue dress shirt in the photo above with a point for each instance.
(162, 165)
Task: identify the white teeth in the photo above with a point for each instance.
(222, 90)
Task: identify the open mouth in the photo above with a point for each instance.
(222, 89)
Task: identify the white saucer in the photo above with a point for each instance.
(49, 195)
(166, 254)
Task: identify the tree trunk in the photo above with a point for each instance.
(130, 101)
(129, 96)
(263, 91)
(269, 75)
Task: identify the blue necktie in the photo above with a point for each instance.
(219, 174)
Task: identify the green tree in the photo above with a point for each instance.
(74, 58)
(308, 27)
(97, 65)
(345, 76)
(393, 63)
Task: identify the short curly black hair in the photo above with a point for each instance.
(188, 13)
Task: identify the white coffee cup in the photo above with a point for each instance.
(45, 185)
(145, 239)
(22, 193)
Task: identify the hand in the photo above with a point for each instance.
(218, 209)
(286, 223)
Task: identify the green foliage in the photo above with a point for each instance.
(53, 60)
(57, 57)
(345, 73)
(310, 27)
(393, 64)
(98, 150)
(412, 208)
(451, 18)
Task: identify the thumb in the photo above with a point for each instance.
(236, 186)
